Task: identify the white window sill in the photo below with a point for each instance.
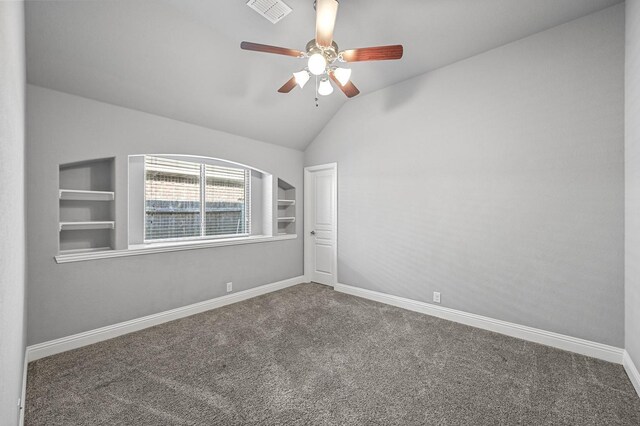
(137, 250)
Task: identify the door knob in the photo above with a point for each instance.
(313, 232)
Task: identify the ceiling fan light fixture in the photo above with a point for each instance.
(325, 88)
(343, 75)
(317, 64)
(301, 78)
(323, 55)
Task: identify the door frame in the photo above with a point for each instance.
(307, 221)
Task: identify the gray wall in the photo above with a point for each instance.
(12, 223)
(632, 180)
(497, 181)
(70, 298)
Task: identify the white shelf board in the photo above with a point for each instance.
(82, 195)
(286, 219)
(79, 226)
(286, 202)
(169, 247)
(85, 250)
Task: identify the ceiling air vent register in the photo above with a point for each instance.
(273, 10)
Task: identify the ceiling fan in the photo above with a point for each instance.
(323, 55)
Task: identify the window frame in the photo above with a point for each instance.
(202, 162)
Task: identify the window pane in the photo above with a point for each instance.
(172, 199)
(227, 200)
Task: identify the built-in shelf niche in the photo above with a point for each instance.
(286, 200)
(86, 194)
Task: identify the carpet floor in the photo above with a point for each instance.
(309, 355)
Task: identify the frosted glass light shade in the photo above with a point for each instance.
(325, 88)
(317, 64)
(343, 75)
(301, 78)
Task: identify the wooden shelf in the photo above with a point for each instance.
(286, 219)
(82, 195)
(286, 202)
(81, 226)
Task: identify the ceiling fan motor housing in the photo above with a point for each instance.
(330, 53)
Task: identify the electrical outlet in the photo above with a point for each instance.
(229, 287)
(436, 296)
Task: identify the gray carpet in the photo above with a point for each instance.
(309, 355)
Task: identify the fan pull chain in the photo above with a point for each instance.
(316, 91)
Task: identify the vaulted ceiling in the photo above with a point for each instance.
(182, 59)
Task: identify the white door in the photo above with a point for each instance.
(320, 223)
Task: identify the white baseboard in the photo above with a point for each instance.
(556, 340)
(75, 341)
(23, 396)
(632, 371)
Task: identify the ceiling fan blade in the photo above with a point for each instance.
(378, 53)
(326, 12)
(247, 45)
(288, 86)
(348, 89)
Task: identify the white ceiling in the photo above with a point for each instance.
(182, 59)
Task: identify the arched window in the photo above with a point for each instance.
(174, 198)
(185, 199)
